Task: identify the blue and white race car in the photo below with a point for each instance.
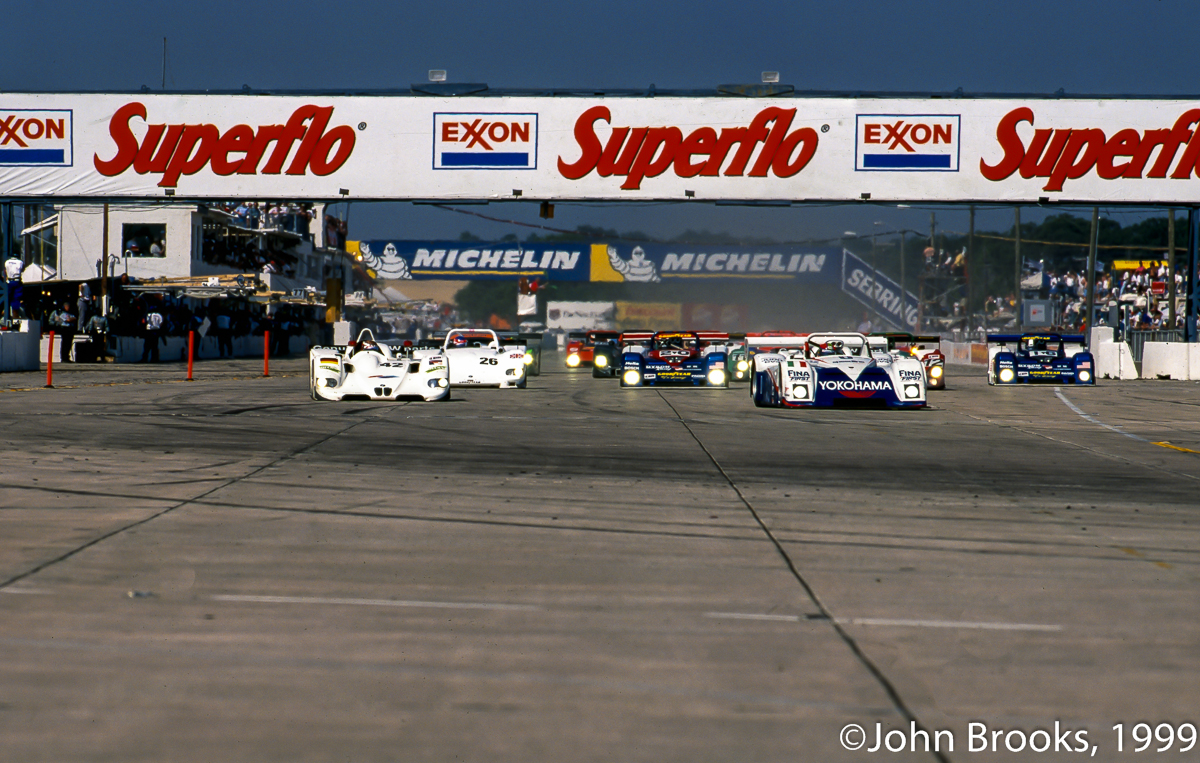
(1039, 358)
(837, 370)
(692, 358)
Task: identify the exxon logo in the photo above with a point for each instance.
(463, 141)
(907, 142)
(35, 138)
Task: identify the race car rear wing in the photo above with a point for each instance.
(776, 339)
(709, 338)
(1014, 338)
(894, 338)
(523, 338)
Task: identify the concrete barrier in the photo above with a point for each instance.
(1170, 360)
(1114, 360)
(19, 349)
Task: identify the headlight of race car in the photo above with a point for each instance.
(800, 390)
(601, 360)
(716, 377)
(439, 383)
(1084, 376)
(912, 391)
(742, 365)
(572, 360)
(529, 358)
(330, 382)
(1006, 374)
(935, 372)
(632, 377)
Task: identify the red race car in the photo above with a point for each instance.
(581, 346)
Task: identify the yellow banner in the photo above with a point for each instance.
(652, 316)
(1134, 264)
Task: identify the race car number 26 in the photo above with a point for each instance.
(488, 361)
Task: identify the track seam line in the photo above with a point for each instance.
(194, 499)
(1077, 446)
(889, 689)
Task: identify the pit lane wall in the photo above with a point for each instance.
(19, 349)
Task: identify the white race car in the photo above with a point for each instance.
(837, 370)
(478, 359)
(371, 370)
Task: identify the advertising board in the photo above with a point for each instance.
(596, 148)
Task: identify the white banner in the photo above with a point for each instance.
(579, 316)
(497, 147)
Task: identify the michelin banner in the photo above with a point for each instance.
(585, 261)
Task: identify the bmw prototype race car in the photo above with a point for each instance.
(371, 370)
(693, 358)
(478, 359)
(927, 349)
(837, 370)
(1039, 358)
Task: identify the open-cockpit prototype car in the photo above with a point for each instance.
(925, 348)
(692, 358)
(478, 359)
(837, 370)
(607, 355)
(581, 346)
(371, 370)
(1039, 358)
(741, 362)
(528, 342)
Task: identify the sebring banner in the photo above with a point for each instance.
(498, 147)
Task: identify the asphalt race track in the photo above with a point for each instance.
(225, 570)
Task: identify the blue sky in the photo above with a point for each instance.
(1100, 47)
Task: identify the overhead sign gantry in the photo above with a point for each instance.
(787, 148)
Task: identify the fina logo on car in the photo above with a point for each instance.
(907, 142)
(36, 138)
(484, 141)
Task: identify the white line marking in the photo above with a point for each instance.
(34, 591)
(1098, 422)
(373, 602)
(950, 624)
(738, 616)
(878, 621)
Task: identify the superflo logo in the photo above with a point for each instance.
(907, 142)
(36, 138)
(464, 141)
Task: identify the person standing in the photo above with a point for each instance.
(83, 305)
(152, 326)
(224, 332)
(63, 322)
(14, 267)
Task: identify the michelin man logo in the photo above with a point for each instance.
(388, 265)
(637, 268)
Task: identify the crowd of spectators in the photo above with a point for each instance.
(243, 253)
(253, 215)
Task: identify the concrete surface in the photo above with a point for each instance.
(224, 570)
